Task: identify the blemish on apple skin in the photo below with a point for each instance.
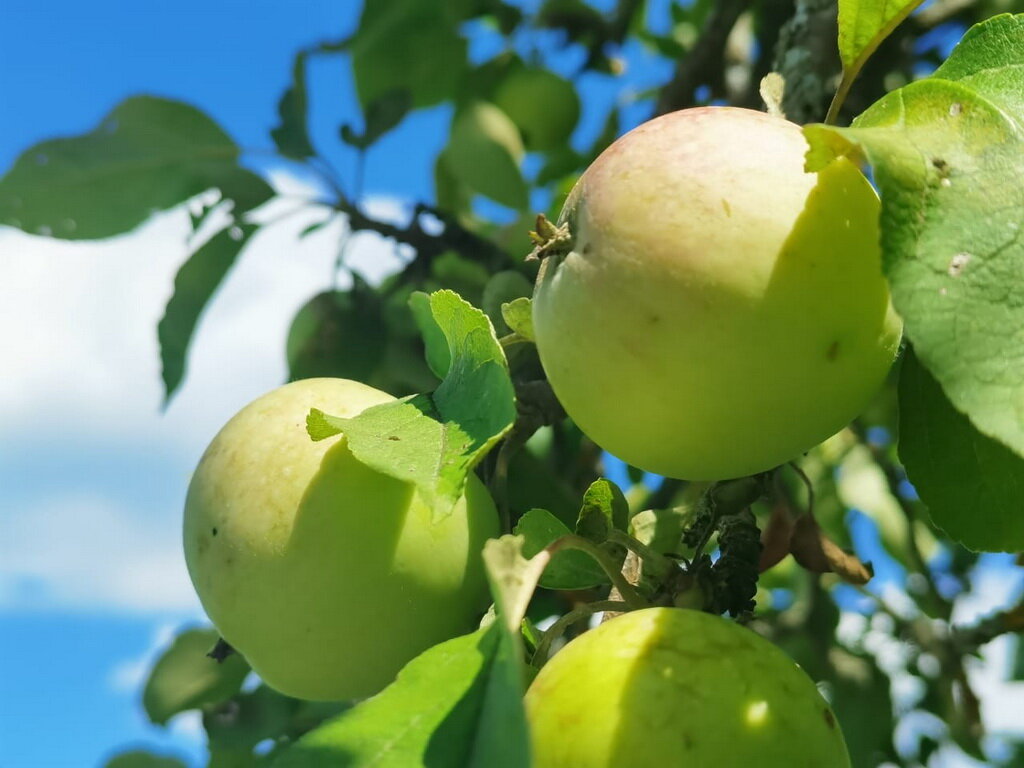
(726, 207)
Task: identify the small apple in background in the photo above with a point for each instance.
(670, 687)
(326, 575)
(720, 310)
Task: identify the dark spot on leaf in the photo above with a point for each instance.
(214, 531)
(833, 350)
(587, 249)
(940, 164)
(830, 719)
(394, 437)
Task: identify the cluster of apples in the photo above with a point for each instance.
(715, 312)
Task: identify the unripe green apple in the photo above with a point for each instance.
(666, 687)
(328, 576)
(720, 311)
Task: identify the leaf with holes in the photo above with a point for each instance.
(948, 154)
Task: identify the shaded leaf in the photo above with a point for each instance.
(948, 155)
(544, 106)
(291, 135)
(184, 677)
(194, 286)
(410, 45)
(338, 334)
(484, 153)
(435, 440)
(146, 155)
(454, 705)
(972, 485)
(568, 569)
(380, 116)
(604, 510)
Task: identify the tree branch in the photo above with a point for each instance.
(703, 64)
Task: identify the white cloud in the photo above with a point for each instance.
(83, 552)
(78, 338)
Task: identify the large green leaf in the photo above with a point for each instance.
(973, 485)
(411, 45)
(435, 440)
(458, 705)
(194, 285)
(146, 155)
(948, 155)
(484, 153)
(185, 677)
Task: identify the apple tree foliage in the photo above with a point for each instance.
(943, 137)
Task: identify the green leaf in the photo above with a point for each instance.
(146, 155)
(380, 116)
(411, 45)
(863, 25)
(972, 485)
(460, 274)
(661, 529)
(247, 719)
(291, 135)
(457, 704)
(451, 194)
(543, 106)
(502, 288)
(948, 157)
(604, 510)
(569, 569)
(518, 315)
(438, 351)
(138, 758)
(338, 334)
(186, 678)
(435, 440)
(484, 153)
(194, 286)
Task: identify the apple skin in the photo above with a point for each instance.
(326, 575)
(721, 310)
(671, 687)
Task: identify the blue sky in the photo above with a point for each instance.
(92, 473)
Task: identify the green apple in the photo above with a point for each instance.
(666, 687)
(328, 576)
(720, 310)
